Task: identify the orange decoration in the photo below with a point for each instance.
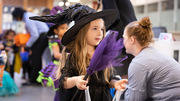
(21, 39)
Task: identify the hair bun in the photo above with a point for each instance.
(145, 22)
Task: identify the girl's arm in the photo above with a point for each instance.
(118, 84)
(15, 48)
(56, 51)
(77, 81)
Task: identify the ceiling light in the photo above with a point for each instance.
(12, 9)
(67, 3)
(73, 0)
(61, 3)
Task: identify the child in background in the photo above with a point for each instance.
(20, 40)
(11, 49)
(47, 74)
(3, 58)
(7, 85)
(25, 54)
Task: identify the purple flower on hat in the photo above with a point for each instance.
(56, 10)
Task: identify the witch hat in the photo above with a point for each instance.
(82, 15)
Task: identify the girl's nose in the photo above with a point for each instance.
(100, 33)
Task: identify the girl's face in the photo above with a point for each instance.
(127, 42)
(95, 32)
(61, 29)
(10, 36)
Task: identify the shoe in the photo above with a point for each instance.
(26, 84)
(24, 77)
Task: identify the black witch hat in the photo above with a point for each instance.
(82, 15)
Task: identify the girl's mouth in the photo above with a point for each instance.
(98, 39)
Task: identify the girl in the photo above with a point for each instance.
(47, 75)
(56, 48)
(152, 76)
(11, 48)
(81, 40)
(7, 84)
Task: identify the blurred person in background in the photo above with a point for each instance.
(46, 11)
(47, 75)
(127, 15)
(11, 49)
(37, 42)
(7, 84)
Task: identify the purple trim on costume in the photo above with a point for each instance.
(56, 40)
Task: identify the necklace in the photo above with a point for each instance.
(143, 48)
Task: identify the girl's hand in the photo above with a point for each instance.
(121, 84)
(80, 83)
(1, 46)
(8, 49)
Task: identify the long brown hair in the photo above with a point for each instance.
(141, 30)
(78, 49)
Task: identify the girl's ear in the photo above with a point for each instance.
(55, 31)
(132, 40)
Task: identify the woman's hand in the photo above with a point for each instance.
(80, 83)
(121, 84)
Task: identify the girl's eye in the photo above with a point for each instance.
(94, 28)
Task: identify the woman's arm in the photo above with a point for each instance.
(138, 79)
(77, 81)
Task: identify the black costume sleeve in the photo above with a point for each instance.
(15, 48)
(69, 70)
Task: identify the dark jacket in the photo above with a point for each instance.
(127, 15)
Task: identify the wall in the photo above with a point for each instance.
(168, 48)
(160, 14)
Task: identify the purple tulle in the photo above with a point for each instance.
(106, 52)
(48, 71)
(56, 98)
(56, 83)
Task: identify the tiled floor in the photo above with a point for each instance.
(31, 93)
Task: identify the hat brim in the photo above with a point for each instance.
(109, 16)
